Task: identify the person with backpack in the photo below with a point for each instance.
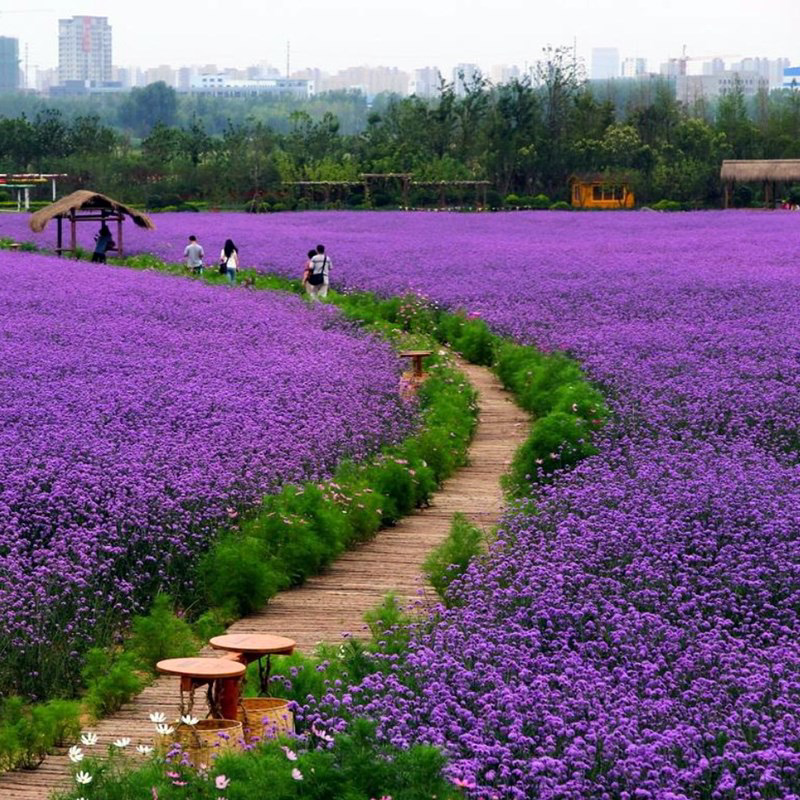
(229, 261)
(319, 275)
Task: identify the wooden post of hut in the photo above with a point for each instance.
(86, 206)
(769, 172)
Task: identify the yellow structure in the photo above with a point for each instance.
(600, 191)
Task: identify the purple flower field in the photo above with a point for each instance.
(638, 635)
(138, 411)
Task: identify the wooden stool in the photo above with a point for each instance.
(221, 675)
(416, 357)
(248, 647)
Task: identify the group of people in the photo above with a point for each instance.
(228, 258)
(316, 272)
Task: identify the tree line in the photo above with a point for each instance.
(526, 138)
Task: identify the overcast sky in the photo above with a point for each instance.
(333, 34)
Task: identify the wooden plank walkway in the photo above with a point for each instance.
(335, 601)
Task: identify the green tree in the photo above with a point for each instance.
(147, 107)
(559, 77)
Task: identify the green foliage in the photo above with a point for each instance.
(667, 205)
(388, 624)
(470, 337)
(112, 679)
(236, 575)
(28, 733)
(452, 557)
(560, 205)
(355, 767)
(161, 634)
(743, 196)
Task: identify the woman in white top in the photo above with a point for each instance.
(229, 258)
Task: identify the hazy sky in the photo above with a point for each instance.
(333, 34)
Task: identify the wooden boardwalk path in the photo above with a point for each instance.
(336, 600)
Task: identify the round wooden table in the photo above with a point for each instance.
(255, 647)
(416, 357)
(222, 676)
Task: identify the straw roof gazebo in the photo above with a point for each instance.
(768, 171)
(86, 206)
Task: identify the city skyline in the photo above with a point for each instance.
(408, 35)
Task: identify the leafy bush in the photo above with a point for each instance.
(29, 733)
(160, 634)
(389, 626)
(236, 575)
(452, 557)
(557, 440)
(667, 205)
(561, 205)
(112, 679)
(355, 765)
(540, 201)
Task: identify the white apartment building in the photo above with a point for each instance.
(634, 67)
(465, 75)
(425, 82)
(503, 73)
(222, 85)
(84, 50)
(691, 88)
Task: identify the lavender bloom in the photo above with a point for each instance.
(137, 410)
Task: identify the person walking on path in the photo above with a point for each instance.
(194, 255)
(319, 277)
(229, 260)
(102, 242)
(307, 268)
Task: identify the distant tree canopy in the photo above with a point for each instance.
(525, 137)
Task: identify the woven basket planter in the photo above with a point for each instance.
(265, 717)
(205, 740)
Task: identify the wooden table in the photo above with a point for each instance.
(222, 676)
(249, 647)
(416, 357)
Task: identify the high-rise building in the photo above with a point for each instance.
(9, 64)
(634, 67)
(503, 73)
(425, 82)
(605, 63)
(464, 76)
(84, 50)
(162, 74)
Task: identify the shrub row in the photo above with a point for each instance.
(566, 409)
(298, 531)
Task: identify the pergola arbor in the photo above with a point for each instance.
(371, 180)
(86, 206)
(771, 173)
(23, 182)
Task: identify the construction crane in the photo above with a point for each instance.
(682, 60)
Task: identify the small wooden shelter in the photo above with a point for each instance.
(86, 206)
(601, 191)
(770, 172)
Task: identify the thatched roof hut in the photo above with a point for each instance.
(778, 170)
(769, 171)
(87, 206)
